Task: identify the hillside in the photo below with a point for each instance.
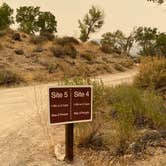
(37, 59)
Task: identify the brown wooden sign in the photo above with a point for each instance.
(70, 104)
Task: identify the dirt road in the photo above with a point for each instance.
(24, 135)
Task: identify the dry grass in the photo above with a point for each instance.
(37, 39)
(118, 115)
(67, 40)
(119, 121)
(62, 51)
(152, 73)
(131, 110)
(42, 115)
(124, 109)
(8, 78)
(119, 67)
(127, 64)
(106, 49)
(119, 118)
(88, 56)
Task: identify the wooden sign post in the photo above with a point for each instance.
(69, 138)
(69, 105)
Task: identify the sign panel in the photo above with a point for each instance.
(70, 104)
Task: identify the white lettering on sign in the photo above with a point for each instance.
(81, 104)
(59, 95)
(54, 115)
(65, 95)
(63, 114)
(81, 113)
(60, 114)
(70, 104)
(81, 94)
(87, 93)
(59, 105)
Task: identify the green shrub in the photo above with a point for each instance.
(128, 63)
(47, 35)
(8, 78)
(140, 108)
(70, 51)
(58, 51)
(37, 39)
(152, 73)
(118, 115)
(66, 40)
(62, 51)
(132, 109)
(119, 67)
(51, 67)
(87, 56)
(106, 49)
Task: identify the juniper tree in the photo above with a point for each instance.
(47, 23)
(91, 23)
(6, 18)
(27, 17)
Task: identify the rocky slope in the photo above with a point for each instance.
(36, 58)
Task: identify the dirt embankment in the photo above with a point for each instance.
(37, 59)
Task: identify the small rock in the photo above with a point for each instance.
(71, 62)
(16, 37)
(19, 51)
(38, 49)
(9, 46)
(27, 56)
(30, 68)
(33, 54)
(59, 151)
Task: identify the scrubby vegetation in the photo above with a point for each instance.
(37, 39)
(88, 56)
(119, 67)
(8, 78)
(130, 118)
(62, 51)
(66, 40)
(120, 118)
(117, 42)
(152, 73)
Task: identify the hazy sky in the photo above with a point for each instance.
(119, 14)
